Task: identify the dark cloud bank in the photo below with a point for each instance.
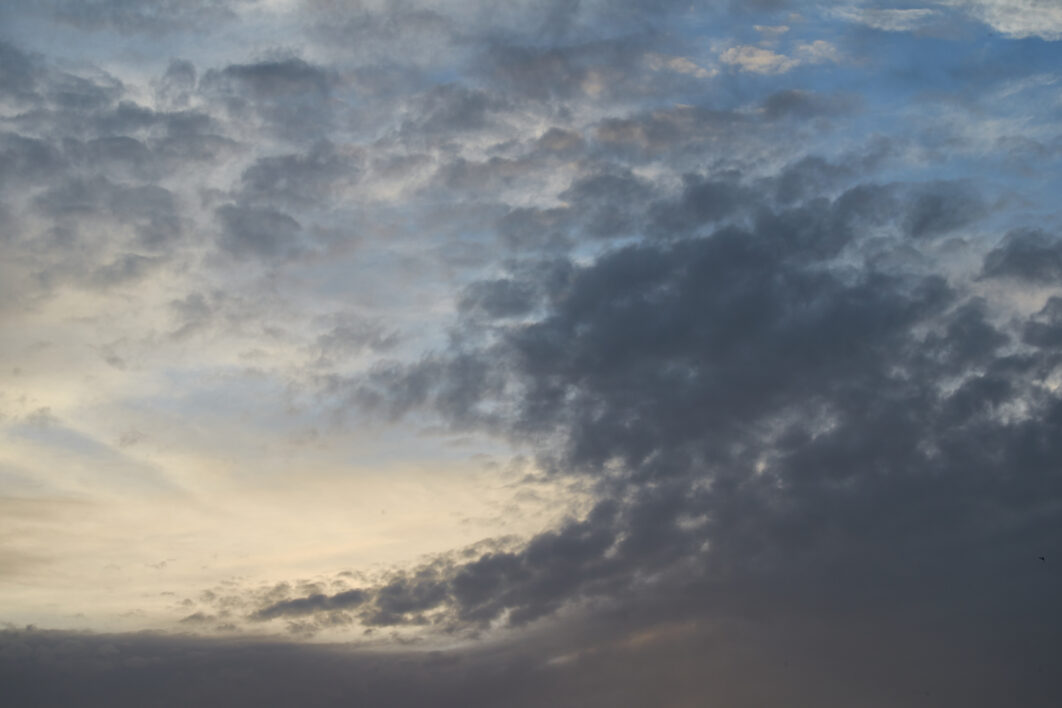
(778, 441)
(816, 484)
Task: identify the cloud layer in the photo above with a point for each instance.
(582, 354)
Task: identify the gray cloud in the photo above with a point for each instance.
(175, 87)
(258, 232)
(499, 298)
(21, 72)
(451, 108)
(312, 604)
(703, 201)
(289, 94)
(941, 208)
(139, 15)
(563, 72)
(760, 430)
(151, 210)
(1045, 328)
(805, 104)
(609, 203)
(299, 179)
(27, 161)
(1026, 254)
(346, 336)
(672, 663)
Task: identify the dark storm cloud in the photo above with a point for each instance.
(763, 434)
(1026, 254)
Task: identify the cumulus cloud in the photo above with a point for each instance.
(747, 418)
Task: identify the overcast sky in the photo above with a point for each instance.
(528, 353)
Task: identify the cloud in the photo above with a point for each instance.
(751, 422)
(671, 663)
(758, 60)
(745, 337)
(312, 604)
(764, 61)
(1044, 329)
(804, 104)
(290, 95)
(257, 231)
(1026, 254)
(681, 65)
(888, 19)
(1017, 19)
(140, 15)
(299, 179)
(942, 208)
(499, 298)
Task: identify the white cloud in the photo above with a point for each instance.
(764, 61)
(757, 60)
(889, 20)
(817, 52)
(771, 33)
(680, 65)
(1016, 18)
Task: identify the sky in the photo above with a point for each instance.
(567, 353)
